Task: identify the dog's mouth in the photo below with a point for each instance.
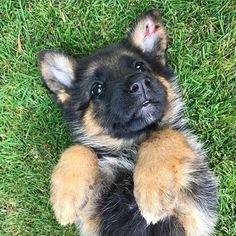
(144, 115)
(146, 108)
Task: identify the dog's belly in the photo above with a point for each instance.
(119, 212)
(114, 212)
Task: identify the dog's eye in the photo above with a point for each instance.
(139, 66)
(97, 88)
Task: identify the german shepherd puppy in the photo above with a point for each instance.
(137, 169)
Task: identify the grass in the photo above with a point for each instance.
(32, 133)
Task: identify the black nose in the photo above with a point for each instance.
(139, 86)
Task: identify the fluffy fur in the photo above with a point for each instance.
(138, 170)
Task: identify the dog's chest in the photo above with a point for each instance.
(114, 163)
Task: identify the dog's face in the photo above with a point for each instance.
(117, 93)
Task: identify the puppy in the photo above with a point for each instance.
(137, 169)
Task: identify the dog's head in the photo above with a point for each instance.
(114, 96)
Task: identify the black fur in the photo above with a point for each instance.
(121, 216)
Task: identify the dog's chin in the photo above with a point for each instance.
(141, 120)
(147, 113)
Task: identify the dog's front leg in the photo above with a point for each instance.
(72, 182)
(171, 179)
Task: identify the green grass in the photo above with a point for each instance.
(32, 133)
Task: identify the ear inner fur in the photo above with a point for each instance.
(150, 36)
(57, 70)
(138, 36)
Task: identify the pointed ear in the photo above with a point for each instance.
(149, 35)
(58, 72)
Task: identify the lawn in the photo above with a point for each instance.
(32, 133)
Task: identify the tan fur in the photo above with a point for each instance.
(90, 226)
(73, 181)
(170, 97)
(45, 73)
(63, 96)
(137, 35)
(167, 85)
(94, 130)
(90, 124)
(115, 143)
(193, 219)
(160, 173)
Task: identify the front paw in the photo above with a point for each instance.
(72, 183)
(160, 173)
(154, 192)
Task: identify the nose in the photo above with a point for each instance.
(139, 86)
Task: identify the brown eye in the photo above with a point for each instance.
(97, 89)
(139, 66)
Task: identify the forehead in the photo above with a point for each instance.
(111, 60)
